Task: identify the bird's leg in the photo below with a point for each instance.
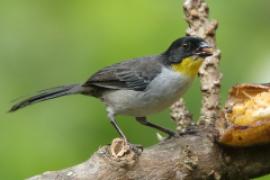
(115, 125)
(135, 147)
(144, 121)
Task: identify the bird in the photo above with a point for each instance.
(138, 87)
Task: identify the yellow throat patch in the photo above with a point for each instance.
(188, 66)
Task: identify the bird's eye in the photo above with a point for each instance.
(185, 46)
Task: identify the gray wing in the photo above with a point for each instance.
(133, 74)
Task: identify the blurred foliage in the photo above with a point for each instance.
(45, 43)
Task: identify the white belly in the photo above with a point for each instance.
(162, 92)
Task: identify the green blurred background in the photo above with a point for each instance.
(45, 43)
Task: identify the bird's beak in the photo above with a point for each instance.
(205, 50)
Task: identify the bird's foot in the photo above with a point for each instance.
(191, 130)
(137, 148)
(172, 134)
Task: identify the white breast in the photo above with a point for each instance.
(162, 92)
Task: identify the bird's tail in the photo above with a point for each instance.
(48, 94)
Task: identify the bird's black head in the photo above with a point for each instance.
(186, 47)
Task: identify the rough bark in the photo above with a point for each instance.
(181, 116)
(197, 16)
(194, 154)
(191, 156)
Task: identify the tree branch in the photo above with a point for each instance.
(194, 156)
(197, 12)
(181, 116)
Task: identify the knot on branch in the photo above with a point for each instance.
(122, 154)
